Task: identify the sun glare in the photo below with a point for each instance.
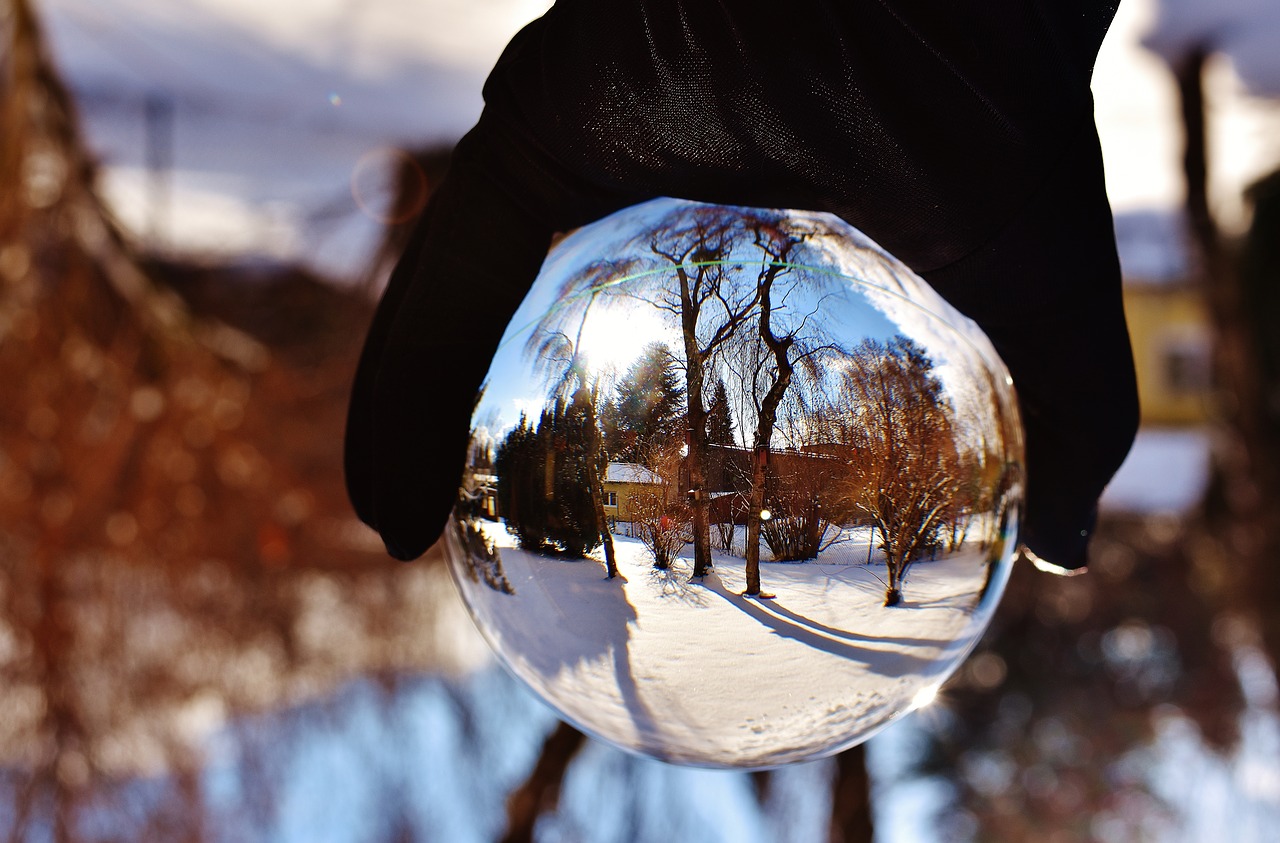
(925, 697)
(614, 337)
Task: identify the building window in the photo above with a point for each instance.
(1185, 359)
(610, 498)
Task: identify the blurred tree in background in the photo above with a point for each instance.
(173, 523)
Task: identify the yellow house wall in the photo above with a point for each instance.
(622, 512)
(1167, 323)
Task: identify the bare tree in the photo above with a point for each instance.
(725, 529)
(705, 298)
(539, 794)
(711, 296)
(662, 525)
(711, 305)
(908, 476)
(660, 517)
(790, 341)
(803, 509)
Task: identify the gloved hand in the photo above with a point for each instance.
(958, 135)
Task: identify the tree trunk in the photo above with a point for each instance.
(698, 498)
(764, 425)
(1195, 160)
(698, 484)
(851, 820)
(755, 506)
(813, 531)
(695, 362)
(540, 793)
(606, 536)
(1244, 491)
(597, 486)
(893, 591)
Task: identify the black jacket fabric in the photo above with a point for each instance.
(924, 124)
(958, 135)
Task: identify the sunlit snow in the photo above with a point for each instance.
(808, 670)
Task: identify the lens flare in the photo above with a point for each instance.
(389, 185)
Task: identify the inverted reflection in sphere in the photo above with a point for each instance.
(742, 488)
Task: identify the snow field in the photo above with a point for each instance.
(695, 673)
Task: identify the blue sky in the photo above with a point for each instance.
(618, 328)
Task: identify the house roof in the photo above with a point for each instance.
(629, 472)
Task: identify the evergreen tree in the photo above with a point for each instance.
(504, 462)
(572, 522)
(719, 419)
(521, 468)
(647, 412)
(542, 489)
(545, 479)
(574, 519)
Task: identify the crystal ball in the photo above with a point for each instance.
(742, 489)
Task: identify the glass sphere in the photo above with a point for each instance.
(742, 488)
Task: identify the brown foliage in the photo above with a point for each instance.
(175, 541)
(909, 478)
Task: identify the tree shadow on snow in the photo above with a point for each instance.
(849, 635)
(567, 615)
(963, 602)
(673, 583)
(891, 663)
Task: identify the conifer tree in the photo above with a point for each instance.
(573, 524)
(719, 420)
(521, 468)
(647, 411)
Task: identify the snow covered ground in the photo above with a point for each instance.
(1165, 474)
(696, 673)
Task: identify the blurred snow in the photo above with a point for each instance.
(1241, 82)
(1207, 790)
(1247, 31)
(1165, 473)
(433, 759)
(1136, 108)
(273, 107)
(1153, 246)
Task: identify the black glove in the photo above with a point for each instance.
(958, 135)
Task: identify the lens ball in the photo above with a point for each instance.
(742, 489)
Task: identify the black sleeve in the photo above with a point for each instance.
(959, 135)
